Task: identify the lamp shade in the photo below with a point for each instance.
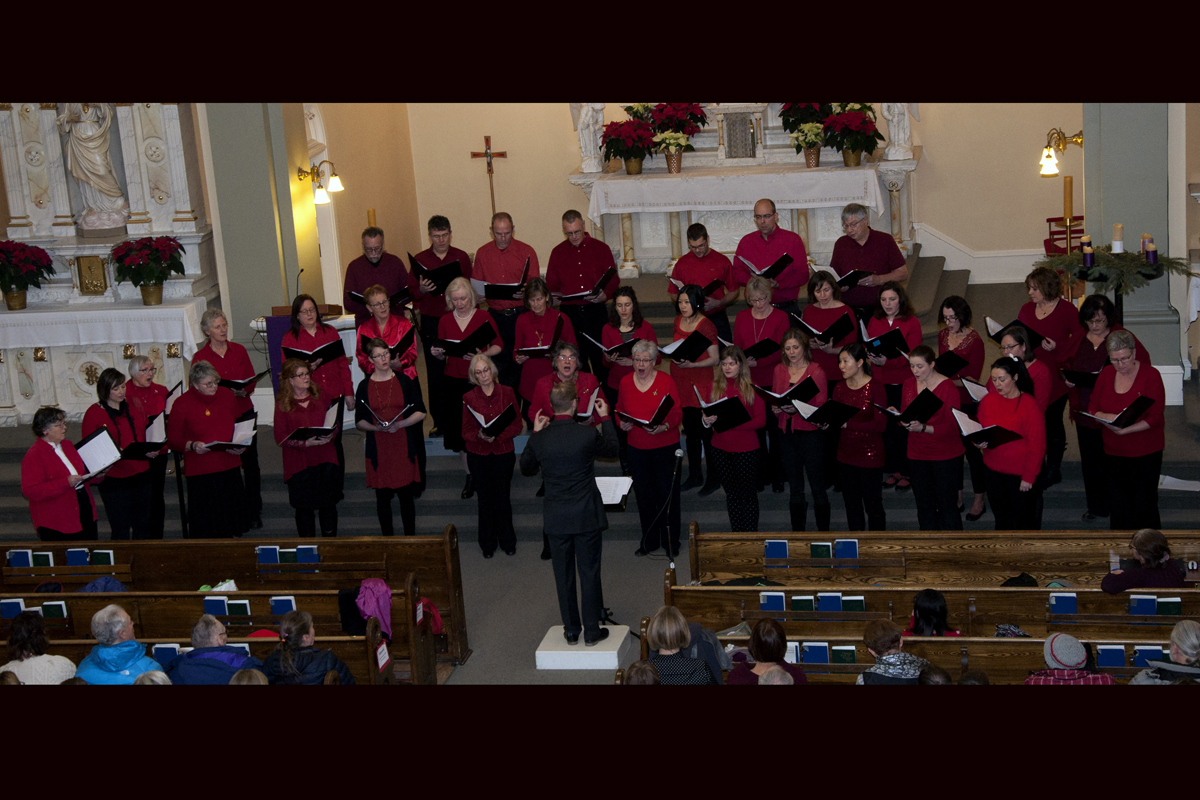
(1049, 162)
(335, 183)
(321, 197)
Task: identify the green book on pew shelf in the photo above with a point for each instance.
(1170, 606)
(805, 602)
(854, 603)
(843, 654)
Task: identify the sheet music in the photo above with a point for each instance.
(1167, 482)
(175, 394)
(243, 432)
(976, 390)
(612, 489)
(156, 431)
(993, 326)
(965, 423)
(98, 453)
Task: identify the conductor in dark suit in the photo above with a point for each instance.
(574, 513)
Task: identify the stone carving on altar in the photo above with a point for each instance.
(87, 126)
(588, 119)
(899, 133)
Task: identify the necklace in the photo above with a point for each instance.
(754, 325)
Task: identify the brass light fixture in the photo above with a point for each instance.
(1056, 140)
(320, 196)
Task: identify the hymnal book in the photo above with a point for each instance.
(949, 363)
(834, 332)
(238, 608)
(398, 349)
(98, 452)
(973, 432)
(1063, 603)
(77, 557)
(847, 281)
(1143, 604)
(1131, 413)
(622, 350)
(832, 413)
(815, 652)
(10, 608)
(597, 289)
(977, 391)
(1082, 380)
(243, 434)
(267, 553)
(845, 548)
(729, 412)
(584, 414)
(1143, 653)
(164, 653)
(478, 339)
(283, 604)
(843, 654)
(495, 426)
(399, 298)
(102, 558)
(403, 412)
(775, 548)
(664, 408)
(174, 395)
(792, 654)
(820, 550)
(233, 385)
(43, 559)
(1167, 482)
(803, 391)
(140, 451)
(543, 351)
(770, 601)
(307, 554)
(771, 272)
(613, 488)
(803, 602)
(996, 331)
(890, 345)
(1110, 655)
(440, 277)
(921, 409)
(217, 606)
(333, 422)
(694, 346)
(855, 602)
(829, 601)
(704, 290)
(20, 558)
(766, 347)
(54, 609)
(325, 353)
(287, 555)
(502, 291)
(1170, 606)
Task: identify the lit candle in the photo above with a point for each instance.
(1152, 253)
(1118, 242)
(1068, 197)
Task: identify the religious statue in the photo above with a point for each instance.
(588, 119)
(899, 136)
(87, 128)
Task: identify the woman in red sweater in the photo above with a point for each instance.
(310, 467)
(388, 327)
(736, 451)
(625, 323)
(894, 312)
(536, 329)
(695, 376)
(125, 489)
(652, 452)
(492, 458)
(150, 399)
(1056, 319)
(1015, 344)
(203, 415)
(566, 368)
(1134, 453)
(935, 448)
(824, 308)
(1013, 467)
(860, 445)
(232, 362)
(802, 445)
(60, 504)
(965, 341)
(758, 323)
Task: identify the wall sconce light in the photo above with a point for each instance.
(1056, 140)
(320, 196)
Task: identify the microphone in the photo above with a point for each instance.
(679, 454)
(298, 274)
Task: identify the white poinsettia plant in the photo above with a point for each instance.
(810, 134)
(672, 142)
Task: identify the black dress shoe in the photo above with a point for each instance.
(435, 433)
(974, 517)
(600, 638)
(1088, 516)
(256, 522)
(572, 638)
(488, 555)
(639, 552)
(510, 551)
(468, 488)
(546, 556)
(541, 492)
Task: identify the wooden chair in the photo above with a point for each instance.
(1056, 242)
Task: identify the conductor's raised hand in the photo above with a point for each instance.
(540, 421)
(602, 406)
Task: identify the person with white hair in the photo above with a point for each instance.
(119, 658)
(211, 661)
(1183, 662)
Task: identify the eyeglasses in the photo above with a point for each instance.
(853, 223)
(1124, 360)
(440, 237)
(763, 217)
(1006, 347)
(373, 251)
(206, 384)
(307, 311)
(565, 357)
(301, 374)
(380, 304)
(949, 318)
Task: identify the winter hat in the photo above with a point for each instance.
(1064, 651)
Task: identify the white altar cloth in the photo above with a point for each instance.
(736, 189)
(126, 322)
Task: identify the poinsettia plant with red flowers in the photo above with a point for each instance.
(633, 138)
(148, 261)
(685, 118)
(852, 130)
(793, 115)
(23, 265)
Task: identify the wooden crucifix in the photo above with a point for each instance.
(489, 155)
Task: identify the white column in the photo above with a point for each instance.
(19, 225)
(186, 217)
(60, 199)
(139, 223)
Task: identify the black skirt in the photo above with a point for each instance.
(318, 486)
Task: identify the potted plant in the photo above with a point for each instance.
(147, 263)
(674, 124)
(631, 141)
(1119, 273)
(793, 115)
(851, 130)
(808, 139)
(22, 266)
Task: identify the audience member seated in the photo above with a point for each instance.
(296, 661)
(641, 673)
(974, 678)
(776, 676)
(75, 681)
(27, 648)
(933, 675)
(929, 615)
(248, 677)
(668, 634)
(1184, 663)
(1067, 664)
(892, 666)
(9, 679)
(119, 658)
(1157, 571)
(768, 644)
(211, 662)
(153, 677)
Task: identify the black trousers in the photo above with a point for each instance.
(506, 323)
(451, 402)
(158, 501)
(215, 504)
(770, 461)
(895, 435)
(306, 526)
(974, 459)
(127, 506)
(739, 477)
(1096, 470)
(1056, 434)
(655, 483)
(493, 489)
(804, 452)
(863, 486)
(435, 368)
(87, 531)
(610, 394)
(408, 509)
(581, 551)
(1133, 487)
(698, 438)
(589, 318)
(934, 485)
(1014, 510)
(720, 318)
(251, 481)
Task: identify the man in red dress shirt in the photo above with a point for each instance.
(764, 247)
(502, 260)
(576, 266)
(432, 304)
(871, 251)
(702, 265)
(373, 267)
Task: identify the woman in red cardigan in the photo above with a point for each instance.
(894, 312)
(802, 444)
(935, 448)
(59, 501)
(763, 322)
(965, 341)
(536, 329)
(1013, 467)
(860, 445)
(203, 415)
(736, 451)
(1134, 453)
(492, 458)
(390, 328)
(310, 467)
(625, 323)
(125, 489)
(693, 376)
(150, 399)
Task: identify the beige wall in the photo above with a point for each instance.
(978, 179)
(369, 144)
(1193, 216)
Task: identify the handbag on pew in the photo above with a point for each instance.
(1004, 630)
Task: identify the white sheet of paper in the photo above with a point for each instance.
(965, 423)
(1167, 482)
(99, 453)
(157, 431)
(612, 489)
(243, 432)
(977, 391)
(672, 347)
(992, 326)
(175, 394)
(805, 409)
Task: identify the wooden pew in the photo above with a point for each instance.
(72, 578)
(975, 611)
(924, 558)
(186, 564)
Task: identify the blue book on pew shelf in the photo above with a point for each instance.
(10, 608)
(792, 655)
(267, 554)
(1063, 603)
(78, 557)
(20, 558)
(164, 653)
(829, 601)
(770, 601)
(1110, 655)
(845, 548)
(1147, 652)
(283, 604)
(307, 554)
(775, 548)
(218, 606)
(1143, 604)
(815, 652)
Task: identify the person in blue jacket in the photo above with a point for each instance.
(296, 661)
(210, 662)
(119, 658)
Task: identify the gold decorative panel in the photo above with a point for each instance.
(39, 354)
(172, 349)
(129, 351)
(90, 275)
